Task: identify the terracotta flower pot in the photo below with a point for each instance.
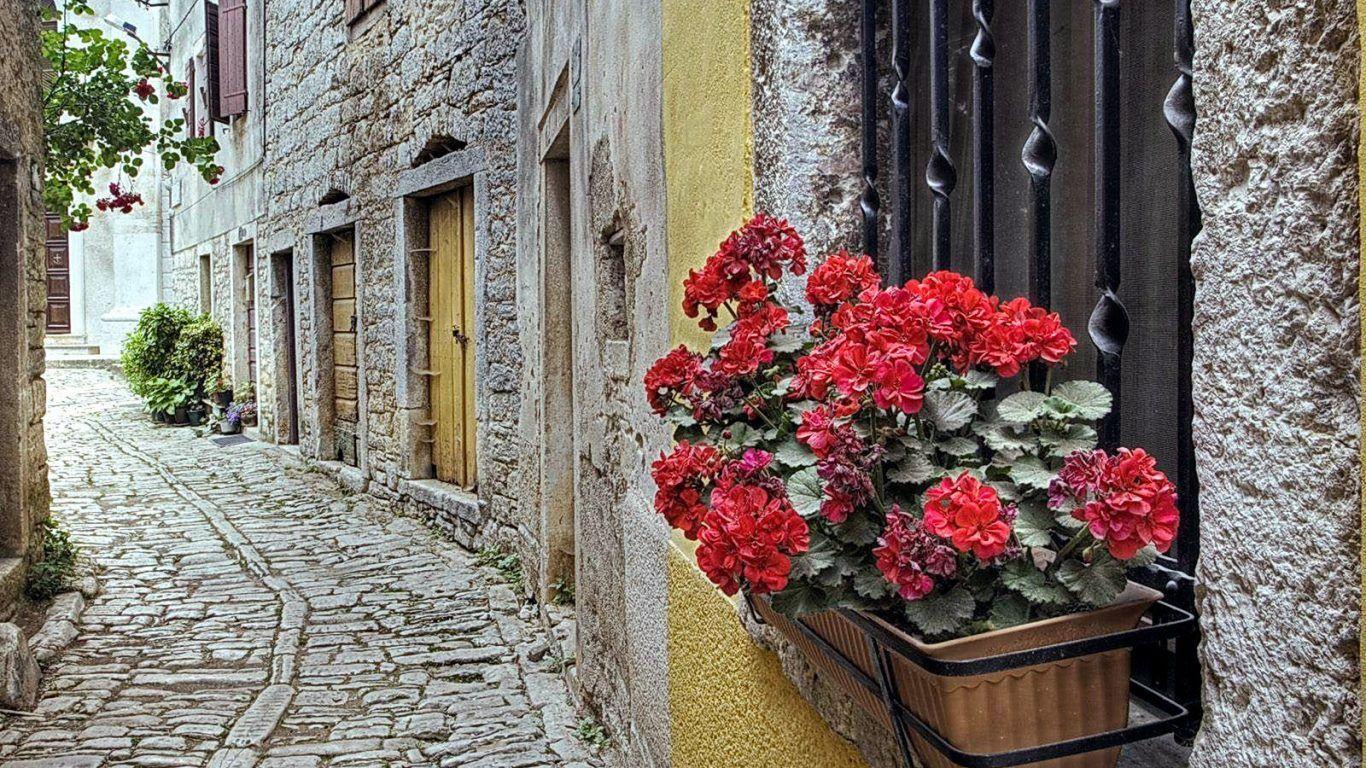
(998, 712)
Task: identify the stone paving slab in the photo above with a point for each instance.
(256, 615)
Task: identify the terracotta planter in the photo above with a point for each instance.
(999, 712)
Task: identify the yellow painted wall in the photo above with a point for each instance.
(730, 704)
(708, 152)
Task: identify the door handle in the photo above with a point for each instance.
(461, 338)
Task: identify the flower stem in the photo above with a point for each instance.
(1069, 548)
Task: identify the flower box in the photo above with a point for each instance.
(884, 456)
(992, 713)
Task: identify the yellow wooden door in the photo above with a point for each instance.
(451, 339)
(344, 374)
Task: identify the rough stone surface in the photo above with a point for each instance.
(253, 613)
(1276, 388)
(23, 289)
(18, 670)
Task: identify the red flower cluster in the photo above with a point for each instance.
(1018, 335)
(969, 514)
(1125, 501)
(144, 89)
(749, 537)
(841, 277)
(682, 478)
(118, 200)
(672, 376)
(873, 348)
(910, 556)
(755, 252)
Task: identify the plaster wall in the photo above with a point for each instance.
(1277, 395)
(590, 76)
(216, 220)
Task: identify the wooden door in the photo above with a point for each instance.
(58, 275)
(249, 284)
(451, 339)
(291, 354)
(346, 417)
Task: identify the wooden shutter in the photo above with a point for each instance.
(211, 56)
(354, 8)
(232, 58)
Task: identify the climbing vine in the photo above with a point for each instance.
(93, 117)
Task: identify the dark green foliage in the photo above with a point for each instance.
(56, 571)
(149, 349)
(198, 358)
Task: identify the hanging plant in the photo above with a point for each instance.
(93, 118)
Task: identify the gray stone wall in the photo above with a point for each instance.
(589, 88)
(23, 289)
(1277, 402)
(349, 108)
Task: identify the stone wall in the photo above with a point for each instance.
(23, 290)
(349, 109)
(1277, 401)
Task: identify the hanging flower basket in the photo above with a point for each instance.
(899, 479)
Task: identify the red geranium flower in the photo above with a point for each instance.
(144, 89)
(748, 538)
(969, 514)
(1124, 500)
(682, 478)
(841, 277)
(909, 556)
(671, 375)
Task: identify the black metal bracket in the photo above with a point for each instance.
(1168, 622)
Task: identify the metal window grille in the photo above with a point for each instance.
(1073, 123)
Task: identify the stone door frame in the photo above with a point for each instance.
(464, 168)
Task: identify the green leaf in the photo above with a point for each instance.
(1021, 407)
(1009, 611)
(870, 583)
(942, 614)
(958, 446)
(804, 491)
(1033, 526)
(680, 416)
(799, 598)
(861, 529)
(1144, 558)
(1096, 584)
(1000, 436)
(948, 410)
(976, 379)
(787, 341)
(743, 436)
(1031, 472)
(913, 469)
(1077, 437)
(793, 454)
(1092, 400)
(1066, 520)
(1020, 576)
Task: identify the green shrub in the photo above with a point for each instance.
(56, 571)
(149, 349)
(198, 357)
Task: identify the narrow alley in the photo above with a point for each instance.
(251, 613)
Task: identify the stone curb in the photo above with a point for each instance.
(60, 625)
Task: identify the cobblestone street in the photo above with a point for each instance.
(254, 614)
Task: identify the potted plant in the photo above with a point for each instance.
(169, 400)
(906, 458)
(236, 417)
